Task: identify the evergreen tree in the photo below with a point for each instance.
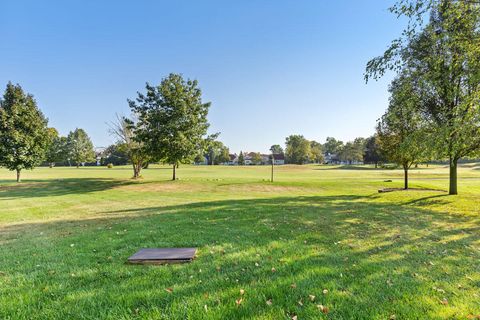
(80, 147)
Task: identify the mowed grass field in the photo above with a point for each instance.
(319, 243)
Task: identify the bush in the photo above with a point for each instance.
(110, 165)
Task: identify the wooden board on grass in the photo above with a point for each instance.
(163, 255)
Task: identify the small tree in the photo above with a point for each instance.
(80, 147)
(257, 158)
(124, 129)
(241, 159)
(402, 132)
(23, 131)
(172, 120)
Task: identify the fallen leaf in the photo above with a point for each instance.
(242, 291)
(269, 302)
(169, 290)
(294, 317)
(293, 285)
(205, 307)
(312, 297)
(325, 291)
(393, 317)
(444, 301)
(238, 301)
(274, 270)
(256, 264)
(323, 308)
(300, 302)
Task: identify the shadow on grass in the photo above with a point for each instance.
(376, 260)
(59, 187)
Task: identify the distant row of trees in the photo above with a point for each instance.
(26, 140)
(299, 150)
(434, 107)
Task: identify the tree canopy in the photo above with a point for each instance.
(442, 55)
(297, 149)
(24, 134)
(80, 147)
(172, 120)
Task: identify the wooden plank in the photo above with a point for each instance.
(163, 255)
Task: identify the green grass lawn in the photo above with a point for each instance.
(319, 236)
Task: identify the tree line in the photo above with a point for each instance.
(300, 150)
(26, 140)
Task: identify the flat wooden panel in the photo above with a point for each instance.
(163, 255)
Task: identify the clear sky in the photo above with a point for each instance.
(271, 68)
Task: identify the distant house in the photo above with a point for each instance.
(331, 158)
(233, 159)
(279, 159)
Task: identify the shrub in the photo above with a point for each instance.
(110, 165)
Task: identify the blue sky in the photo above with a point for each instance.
(271, 68)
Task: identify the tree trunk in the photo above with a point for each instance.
(405, 177)
(18, 175)
(174, 176)
(136, 170)
(453, 176)
(376, 165)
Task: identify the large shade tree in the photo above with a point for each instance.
(443, 54)
(172, 120)
(23, 131)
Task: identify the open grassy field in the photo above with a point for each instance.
(320, 243)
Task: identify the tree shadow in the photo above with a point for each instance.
(375, 259)
(59, 187)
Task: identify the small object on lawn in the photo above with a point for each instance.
(387, 181)
(163, 255)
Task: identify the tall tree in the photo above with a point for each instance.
(372, 152)
(443, 54)
(124, 129)
(402, 132)
(332, 145)
(276, 149)
(23, 131)
(56, 149)
(298, 149)
(80, 147)
(172, 120)
(316, 150)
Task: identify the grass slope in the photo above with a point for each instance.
(65, 234)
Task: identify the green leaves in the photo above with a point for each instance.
(23, 130)
(172, 119)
